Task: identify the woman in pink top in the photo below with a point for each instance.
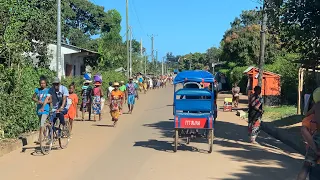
(96, 103)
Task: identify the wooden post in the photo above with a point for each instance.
(299, 93)
(302, 85)
(300, 89)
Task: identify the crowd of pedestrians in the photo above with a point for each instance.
(60, 102)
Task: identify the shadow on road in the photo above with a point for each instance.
(103, 125)
(157, 108)
(164, 146)
(36, 151)
(266, 159)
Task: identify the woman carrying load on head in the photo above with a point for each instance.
(116, 100)
(97, 95)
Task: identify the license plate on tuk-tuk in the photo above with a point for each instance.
(196, 123)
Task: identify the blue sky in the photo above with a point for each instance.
(181, 26)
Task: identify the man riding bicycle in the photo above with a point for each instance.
(57, 97)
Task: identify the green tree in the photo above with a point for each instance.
(111, 48)
(301, 27)
(25, 26)
(241, 43)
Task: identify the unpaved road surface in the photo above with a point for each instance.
(140, 148)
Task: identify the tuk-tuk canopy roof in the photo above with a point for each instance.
(194, 76)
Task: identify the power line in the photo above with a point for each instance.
(135, 12)
(257, 1)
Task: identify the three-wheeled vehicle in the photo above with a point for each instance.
(194, 107)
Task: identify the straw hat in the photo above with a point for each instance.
(116, 84)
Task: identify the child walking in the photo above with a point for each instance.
(72, 101)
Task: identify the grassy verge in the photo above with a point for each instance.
(277, 113)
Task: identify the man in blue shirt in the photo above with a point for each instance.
(58, 97)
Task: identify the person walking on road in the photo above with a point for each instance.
(73, 102)
(39, 96)
(116, 100)
(96, 102)
(235, 95)
(86, 95)
(123, 89)
(255, 114)
(132, 94)
(150, 83)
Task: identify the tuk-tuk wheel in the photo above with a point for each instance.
(188, 140)
(210, 139)
(176, 138)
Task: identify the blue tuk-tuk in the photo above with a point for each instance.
(194, 109)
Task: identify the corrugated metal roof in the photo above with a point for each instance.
(251, 67)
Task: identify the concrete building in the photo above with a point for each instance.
(72, 57)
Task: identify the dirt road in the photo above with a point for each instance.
(140, 148)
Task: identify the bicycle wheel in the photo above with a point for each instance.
(188, 140)
(64, 134)
(46, 139)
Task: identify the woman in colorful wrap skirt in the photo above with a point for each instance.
(255, 114)
(116, 99)
(96, 103)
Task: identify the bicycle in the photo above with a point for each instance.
(52, 132)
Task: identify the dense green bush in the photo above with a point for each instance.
(237, 76)
(288, 70)
(111, 76)
(78, 82)
(17, 110)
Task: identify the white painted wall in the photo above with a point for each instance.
(52, 49)
(69, 55)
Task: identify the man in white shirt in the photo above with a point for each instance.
(150, 83)
(110, 88)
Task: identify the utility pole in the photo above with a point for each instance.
(152, 50)
(141, 47)
(145, 65)
(152, 47)
(262, 42)
(127, 37)
(60, 64)
(156, 61)
(141, 58)
(162, 68)
(130, 65)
